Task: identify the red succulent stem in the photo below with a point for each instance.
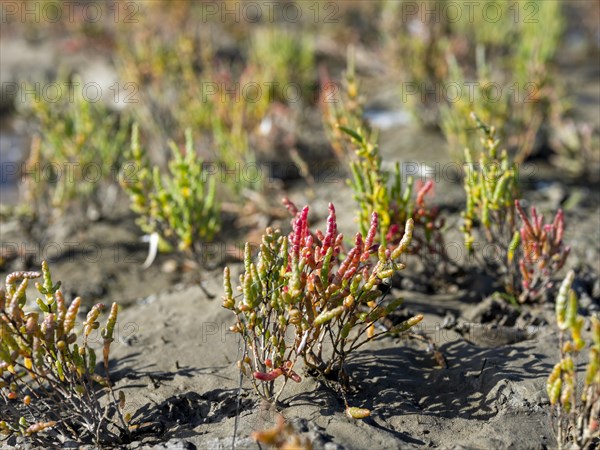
(370, 237)
(331, 231)
(422, 192)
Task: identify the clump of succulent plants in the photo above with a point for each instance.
(393, 199)
(306, 297)
(187, 81)
(501, 69)
(74, 159)
(491, 188)
(528, 257)
(576, 407)
(180, 205)
(50, 388)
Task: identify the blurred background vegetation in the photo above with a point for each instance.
(249, 80)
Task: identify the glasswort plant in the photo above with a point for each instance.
(530, 255)
(181, 205)
(577, 413)
(76, 156)
(543, 252)
(305, 297)
(48, 377)
(374, 188)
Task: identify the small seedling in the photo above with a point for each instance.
(48, 376)
(577, 409)
(306, 297)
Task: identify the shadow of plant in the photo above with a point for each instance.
(403, 380)
(121, 369)
(179, 415)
